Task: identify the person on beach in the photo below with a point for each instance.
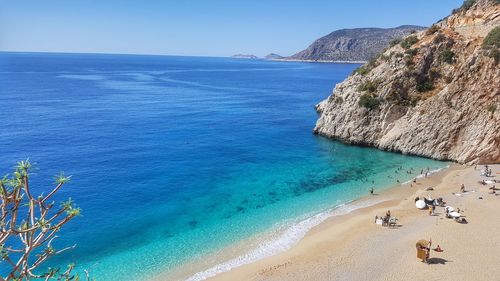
(371, 191)
(462, 188)
(438, 249)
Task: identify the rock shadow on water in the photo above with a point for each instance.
(193, 223)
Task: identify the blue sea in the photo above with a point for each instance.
(174, 159)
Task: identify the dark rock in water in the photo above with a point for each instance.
(240, 209)
(193, 223)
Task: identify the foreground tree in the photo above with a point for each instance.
(28, 227)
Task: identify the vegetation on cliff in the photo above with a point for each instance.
(432, 93)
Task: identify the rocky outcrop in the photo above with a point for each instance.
(358, 44)
(273, 56)
(436, 94)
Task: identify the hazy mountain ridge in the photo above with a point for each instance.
(357, 44)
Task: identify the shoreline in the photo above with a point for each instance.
(351, 246)
(239, 255)
(320, 61)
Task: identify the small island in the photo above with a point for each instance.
(244, 56)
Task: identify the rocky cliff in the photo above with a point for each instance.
(435, 93)
(358, 44)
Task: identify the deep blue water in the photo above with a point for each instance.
(175, 157)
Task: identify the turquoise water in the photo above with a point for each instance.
(174, 158)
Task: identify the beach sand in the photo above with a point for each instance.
(353, 247)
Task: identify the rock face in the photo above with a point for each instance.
(437, 94)
(359, 44)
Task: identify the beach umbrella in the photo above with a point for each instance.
(420, 204)
(455, 214)
(423, 244)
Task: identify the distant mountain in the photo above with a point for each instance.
(358, 44)
(244, 56)
(273, 56)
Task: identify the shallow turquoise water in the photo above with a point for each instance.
(176, 157)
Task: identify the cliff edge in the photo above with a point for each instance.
(435, 93)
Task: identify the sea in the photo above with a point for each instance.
(175, 159)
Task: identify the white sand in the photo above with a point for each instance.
(352, 247)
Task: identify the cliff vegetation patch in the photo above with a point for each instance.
(369, 101)
(409, 41)
(491, 44)
(447, 56)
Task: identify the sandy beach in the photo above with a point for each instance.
(353, 247)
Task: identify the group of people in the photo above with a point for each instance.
(386, 220)
(486, 172)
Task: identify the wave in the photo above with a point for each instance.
(428, 174)
(282, 240)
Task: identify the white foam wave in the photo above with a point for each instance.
(284, 240)
(428, 174)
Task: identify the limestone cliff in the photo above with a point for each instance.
(435, 93)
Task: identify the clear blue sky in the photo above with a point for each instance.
(197, 27)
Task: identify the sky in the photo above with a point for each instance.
(197, 27)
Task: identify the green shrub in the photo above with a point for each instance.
(468, 4)
(492, 108)
(434, 74)
(440, 37)
(491, 44)
(424, 86)
(369, 101)
(431, 30)
(395, 42)
(411, 52)
(414, 101)
(447, 56)
(409, 41)
(370, 86)
(492, 40)
(408, 61)
(361, 70)
(495, 54)
(373, 62)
